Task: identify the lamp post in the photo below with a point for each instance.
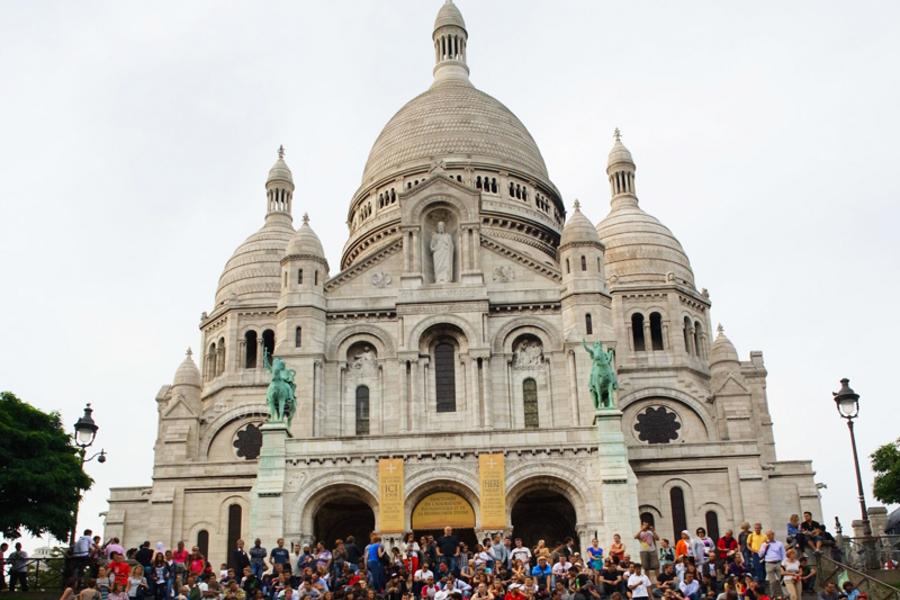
(847, 403)
(85, 432)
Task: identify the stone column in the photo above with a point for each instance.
(648, 336)
(267, 494)
(486, 381)
(618, 483)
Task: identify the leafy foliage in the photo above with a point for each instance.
(41, 479)
(886, 464)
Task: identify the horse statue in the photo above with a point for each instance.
(603, 382)
(280, 395)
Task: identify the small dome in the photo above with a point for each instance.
(280, 171)
(578, 228)
(449, 15)
(722, 350)
(254, 270)
(187, 372)
(305, 242)
(640, 249)
(619, 153)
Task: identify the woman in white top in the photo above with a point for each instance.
(792, 574)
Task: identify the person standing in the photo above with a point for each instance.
(793, 574)
(448, 550)
(18, 569)
(772, 554)
(755, 540)
(648, 537)
(81, 554)
(3, 548)
(258, 559)
(374, 552)
(280, 556)
(239, 557)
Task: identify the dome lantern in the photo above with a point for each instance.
(450, 39)
(279, 188)
(620, 168)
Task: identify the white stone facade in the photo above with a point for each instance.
(528, 287)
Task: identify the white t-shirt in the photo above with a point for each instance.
(523, 554)
(638, 585)
(422, 574)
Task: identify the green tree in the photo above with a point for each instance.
(41, 479)
(886, 464)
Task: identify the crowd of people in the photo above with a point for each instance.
(752, 565)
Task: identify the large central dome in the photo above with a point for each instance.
(451, 120)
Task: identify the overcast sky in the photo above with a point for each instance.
(135, 140)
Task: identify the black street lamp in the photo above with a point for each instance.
(85, 432)
(847, 402)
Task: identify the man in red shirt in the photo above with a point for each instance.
(180, 558)
(727, 546)
(120, 569)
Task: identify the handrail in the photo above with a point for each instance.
(828, 569)
(42, 573)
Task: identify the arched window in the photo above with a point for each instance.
(647, 517)
(210, 362)
(698, 331)
(588, 324)
(250, 350)
(679, 519)
(687, 335)
(568, 266)
(299, 276)
(656, 334)
(269, 343)
(445, 376)
(298, 337)
(637, 332)
(712, 524)
(220, 356)
(530, 402)
(362, 410)
(203, 542)
(234, 532)
(316, 277)
(583, 263)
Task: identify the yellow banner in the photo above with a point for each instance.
(443, 509)
(390, 502)
(492, 479)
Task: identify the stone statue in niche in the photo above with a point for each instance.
(363, 362)
(442, 254)
(528, 354)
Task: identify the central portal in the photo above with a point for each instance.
(343, 517)
(444, 509)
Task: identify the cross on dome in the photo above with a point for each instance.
(281, 151)
(617, 135)
(189, 353)
(306, 218)
(577, 204)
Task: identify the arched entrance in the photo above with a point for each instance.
(544, 514)
(341, 518)
(340, 511)
(444, 509)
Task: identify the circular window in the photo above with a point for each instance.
(657, 425)
(248, 442)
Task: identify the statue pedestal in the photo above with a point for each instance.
(266, 496)
(618, 483)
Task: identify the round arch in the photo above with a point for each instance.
(373, 334)
(664, 393)
(544, 507)
(413, 211)
(216, 425)
(339, 509)
(503, 340)
(437, 320)
(454, 479)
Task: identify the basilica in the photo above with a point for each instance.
(442, 368)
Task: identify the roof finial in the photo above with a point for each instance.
(188, 353)
(306, 218)
(617, 135)
(720, 329)
(577, 204)
(281, 151)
